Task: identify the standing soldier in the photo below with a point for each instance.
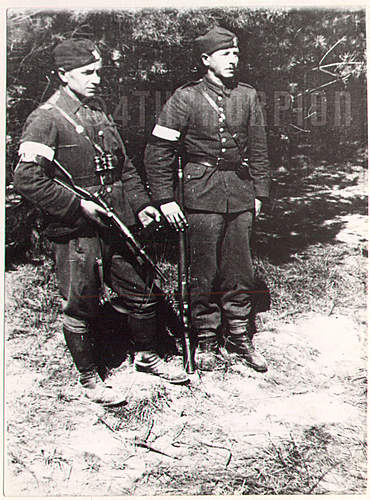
(75, 132)
(219, 123)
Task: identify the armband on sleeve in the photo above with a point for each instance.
(36, 152)
(169, 134)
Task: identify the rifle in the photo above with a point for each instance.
(175, 323)
(183, 280)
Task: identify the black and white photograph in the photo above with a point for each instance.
(186, 234)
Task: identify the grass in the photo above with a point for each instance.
(227, 433)
(298, 429)
(320, 279)
(288, 467)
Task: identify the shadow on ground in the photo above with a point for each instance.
(308, 203)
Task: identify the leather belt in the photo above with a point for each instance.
(217, 163)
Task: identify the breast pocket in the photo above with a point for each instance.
(194, 171)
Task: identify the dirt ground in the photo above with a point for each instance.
(300, 428)
(72, 447)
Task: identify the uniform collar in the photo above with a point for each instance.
(73, 103)
(221, 90)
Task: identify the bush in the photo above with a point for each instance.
(144, 52)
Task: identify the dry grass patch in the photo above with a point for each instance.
(298, 429)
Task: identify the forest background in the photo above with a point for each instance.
(308, 66)
(301, 427)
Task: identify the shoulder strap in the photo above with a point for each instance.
(77, 126)
(210, 100)
(192, 83)
(243, 84)
(82, 131)
(216, 108)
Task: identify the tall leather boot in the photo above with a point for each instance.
(239, 341)
(147, 360)
(82, 353)
(207, 353)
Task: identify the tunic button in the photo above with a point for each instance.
(223, 139)
(223, 150)
(222, 129)
(219, 98)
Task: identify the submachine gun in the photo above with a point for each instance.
(136, 247)
(178, 324)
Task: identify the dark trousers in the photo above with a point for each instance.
(79, 281)
(222, 276)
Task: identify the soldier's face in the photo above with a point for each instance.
(83, 81)
(222, 63)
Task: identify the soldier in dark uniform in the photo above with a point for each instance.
(71, 129)
(219, 123)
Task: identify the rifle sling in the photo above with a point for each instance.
(212, 103)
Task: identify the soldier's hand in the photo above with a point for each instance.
(95, 213)
(257, 206)
(148, 214)
(174, 215)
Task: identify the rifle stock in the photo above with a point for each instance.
(183, 281)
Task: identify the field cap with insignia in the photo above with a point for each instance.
(75, 53)
(215, 39)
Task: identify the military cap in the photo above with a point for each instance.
(215, 39)
(75, 53)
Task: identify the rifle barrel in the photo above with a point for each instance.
(183, 280)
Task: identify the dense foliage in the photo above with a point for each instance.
(300, 61)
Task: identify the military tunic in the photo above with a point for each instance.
(63, 128)
(217, 138)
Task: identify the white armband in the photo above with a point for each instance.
(29, 150)
(169, 134)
